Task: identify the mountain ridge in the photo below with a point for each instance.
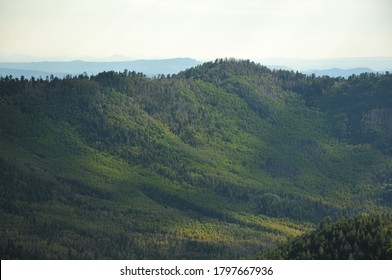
(222, 160)
(76, 67)
(151, 67)
(338, 72)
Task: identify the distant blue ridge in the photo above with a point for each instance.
(60, 69)
(148, 67)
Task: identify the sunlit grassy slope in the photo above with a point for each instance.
(220, 161)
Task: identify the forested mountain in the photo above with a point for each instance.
(223, 160)
(365, 237)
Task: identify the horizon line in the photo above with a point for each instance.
(28, 59)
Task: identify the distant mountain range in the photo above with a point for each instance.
(333, 68)
(338, 72)
(60, 69)
(380, 64)
(331, 72)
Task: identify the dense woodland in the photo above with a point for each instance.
(365, 237)
(225, 160)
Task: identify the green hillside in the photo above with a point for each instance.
(365, 237)
(221, 161)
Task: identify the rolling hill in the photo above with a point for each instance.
(222, 161)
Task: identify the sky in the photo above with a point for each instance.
(202, 29)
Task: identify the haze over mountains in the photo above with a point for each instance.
(330, 67)
(60, 69)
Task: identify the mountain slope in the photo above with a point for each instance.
(366, 237)
(220, 161)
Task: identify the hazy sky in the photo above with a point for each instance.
(201, 29)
